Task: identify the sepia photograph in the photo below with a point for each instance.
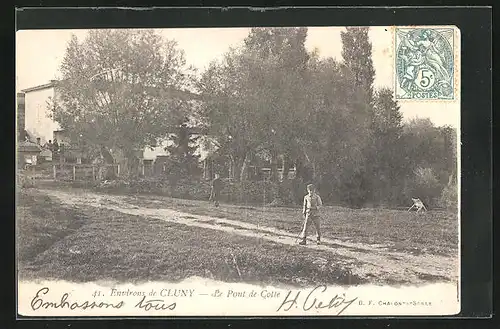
(238, 171)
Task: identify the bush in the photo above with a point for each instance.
(449, 197)
(425, 186)
(185, 188)
(355, 191)
(256, 192)
(25, 180)
(190, 189)
(112, 186)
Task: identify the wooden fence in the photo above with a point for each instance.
(82, 172)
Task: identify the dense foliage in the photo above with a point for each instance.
(112, 97)
(268, 103)
(183, 160)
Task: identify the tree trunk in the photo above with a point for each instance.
(286, 168)
(132, 165)
(274, 166)
(127, 160)
(299, 170)
(287, 193)
(244, 169)
(236, 166)
(231, 166)
(109, 159)
(313, 165)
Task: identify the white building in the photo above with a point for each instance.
(39, 123)
(36, 117)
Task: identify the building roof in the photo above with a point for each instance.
(172, 92)
(49, 85)
(28, 147)
(31, 136)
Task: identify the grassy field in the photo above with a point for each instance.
(435, 232)
(89, 243)
(97, 244)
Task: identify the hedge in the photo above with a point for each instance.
(258, 192)
(254, 192)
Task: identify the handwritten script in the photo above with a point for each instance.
(318, 298)
(38, 302)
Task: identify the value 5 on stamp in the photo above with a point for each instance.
(425, 63)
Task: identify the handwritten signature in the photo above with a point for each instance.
(316, 299)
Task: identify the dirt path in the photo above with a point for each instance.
(376, 260)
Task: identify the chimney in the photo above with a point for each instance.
(21, 124)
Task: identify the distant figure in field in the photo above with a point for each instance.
(417, 204)
(55, 145)
(216, 189)
(312, 204)
(49, 145)
(55, 150)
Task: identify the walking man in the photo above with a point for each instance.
(312, 205)
(216, 189)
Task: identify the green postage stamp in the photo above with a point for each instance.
(425, 63)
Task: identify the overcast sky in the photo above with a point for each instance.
(39, 54)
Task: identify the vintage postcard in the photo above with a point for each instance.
(292, 171)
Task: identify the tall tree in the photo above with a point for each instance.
(387, 165)
(357, 55)
(231, 117)
(387, 119)
(255, 92)
(279, 57)
(336, 128)
(182, 151)
(113, 90)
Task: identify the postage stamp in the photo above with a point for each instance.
(424, 63)
(258, 171)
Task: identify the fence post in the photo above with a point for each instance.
(118, 170)
(93, 172)
(74, 172)
(54, 170)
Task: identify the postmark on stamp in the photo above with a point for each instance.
(424, 63)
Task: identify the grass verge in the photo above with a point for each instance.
(89, 244)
